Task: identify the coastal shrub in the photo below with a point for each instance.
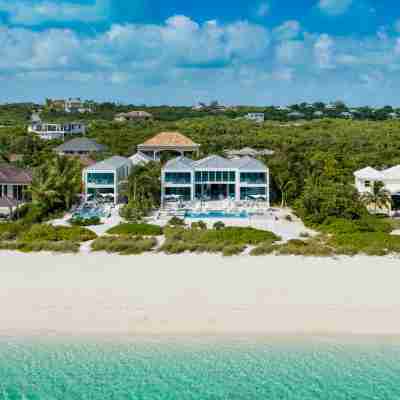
(124, 245)
(365, 224)
(45, 232)
(136, 229)
(263, 249)
(219, 225)
(316, 247)
(58, 247)
(176, 221)
(10, 230)
(199, 225)
(233, 250)
(78, 221)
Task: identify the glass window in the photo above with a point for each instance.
(225, 176)
(204, 176)
(198, 176)
(212, 176)
(246, 193)
(184, 193)
(367, 184)
(232, 176)
(100, 178)
(178, 177)
(219, 176)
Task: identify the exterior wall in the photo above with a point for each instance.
(48, 131)
(393, 186)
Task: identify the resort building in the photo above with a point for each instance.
(255, 117)
(71, 105)
(13, 188)
(168, 141)
(80, 146)
(140, 159)
(248, 152)
(51, 131)
(215, 178)
(106, 178)
(133, 116)
(366, 178)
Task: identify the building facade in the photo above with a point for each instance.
(52, 131)
(106, 178)
(14, 183)
(215, 178)
(256, 117)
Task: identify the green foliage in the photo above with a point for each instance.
(378, 198)
(11, 230)
(199, 225)
(366, 224)
(218, 225)
(57, 247)
(134, 211)
(124, 245)
(45, 232)
(136, 229)
(232, 240)
(176, 221)
(79, 221)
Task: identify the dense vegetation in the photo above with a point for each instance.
(124, 244)
(136, 229)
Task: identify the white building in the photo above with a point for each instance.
(106, 178)
(51, 131)
(366, 178)
(256, 117)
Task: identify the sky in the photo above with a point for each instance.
(180, 52)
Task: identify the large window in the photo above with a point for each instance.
(215, 176)
(178, 178)
(247, 193)
(253, 177)
(100, 178)
(183, 193)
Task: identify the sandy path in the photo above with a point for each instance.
(191, 294)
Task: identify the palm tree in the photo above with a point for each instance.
(379, 197)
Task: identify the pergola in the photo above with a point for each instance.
(168, 141)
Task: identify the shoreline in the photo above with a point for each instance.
(158, 296)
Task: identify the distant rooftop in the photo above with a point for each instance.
(169, 139)
(80, 145)
(10, 174)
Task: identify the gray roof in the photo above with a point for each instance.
(249, 164)
(112, 163)
(179, 164)
(80, 144)
(140, 158)
(214, 162)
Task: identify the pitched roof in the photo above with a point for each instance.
(135, 114)
(80, 144)
(110, 164)
(172, 139)
(179, 164)
(368, 173)
(249, 164)
(391, 173)
(217, 162)
(11, 174)
(140, 158)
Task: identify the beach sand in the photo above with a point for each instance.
(98, 294)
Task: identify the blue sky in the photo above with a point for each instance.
(180, 52)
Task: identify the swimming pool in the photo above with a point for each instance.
(89, 212)
(215, 214)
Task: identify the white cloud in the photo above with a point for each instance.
(263, 9)
(288, 30)
(397, 26)
(323, 51)
(334, 7)
(290, 52)
(23, 12)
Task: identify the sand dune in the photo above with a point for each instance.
(196, 294)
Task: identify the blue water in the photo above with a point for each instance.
(327, 369)
(88, 213)
(215, 214)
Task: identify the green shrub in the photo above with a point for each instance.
(124, 245)
(316, 247)
(233, 250)
(45, 232)
(78, 221)
(199, 225)
(136, 229)
(10, 230)
(175, 221)
(263, 249)
(219, 225)
(58, 247)
(364, 224)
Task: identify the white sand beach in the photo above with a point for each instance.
(197, 294)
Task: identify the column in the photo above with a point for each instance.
(237, 185)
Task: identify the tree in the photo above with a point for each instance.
(378, 198)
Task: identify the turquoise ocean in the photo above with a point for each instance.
(200, 368)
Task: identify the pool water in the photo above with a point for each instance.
(87, 213)
(215, 214)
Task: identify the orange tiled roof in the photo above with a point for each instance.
(169, 139)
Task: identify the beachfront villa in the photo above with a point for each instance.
(365, 179)
(13, 187)
(106, 178)
(215, 178)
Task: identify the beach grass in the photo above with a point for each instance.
(136, 229)
(124, 245)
